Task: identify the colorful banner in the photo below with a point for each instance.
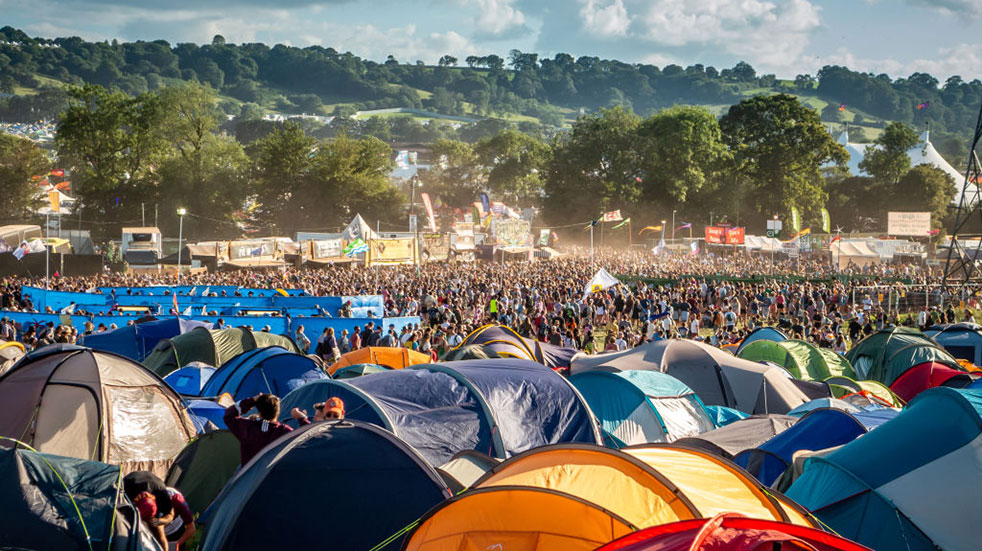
(436, 246)
(622, 224)
(475, 216)
(613, 216)
(485, 204)
(715, 234)
(650, 228)
(826, 221)
(55, 199)
(734, 236)
(429, 210)
(795, 219)
(392, 251)
(512, 233)
(544, 237)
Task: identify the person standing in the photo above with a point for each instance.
(254, 434)
(302, 341)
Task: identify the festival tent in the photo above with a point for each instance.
(500, 407)
(10, 352)
(358, 229)
(885, 355)
(390, 357)
(345, 485)
(733, 532)
(271, 370)
(863, 392)
(469, 352)
(212, 347)
(716, 377)
(762, 333)
(203, 467)
(637, 407)
(961, 340)
(465, 468)
(740, 435)
(55, 502)
(858, 253)
(601, 281)
(137, 341)
(191, 379)
(358, 370)
(505, 342)
(802, 359)
(913, 483)
(77, 402)
(506, 517)
(929, 375)
(817, 430)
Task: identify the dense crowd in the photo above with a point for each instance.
(716, 298)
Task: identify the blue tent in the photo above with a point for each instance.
(961, 340)
(722, 415)
(817, 430)
(206, 410)
(273, 370)
(497, 406)
(342, 485)
(640, 407)
(191, 379)
(762, 334)
(138, 340)
(912, 484)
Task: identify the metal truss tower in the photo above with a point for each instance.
(966, 240)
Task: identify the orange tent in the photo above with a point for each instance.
(393, 358)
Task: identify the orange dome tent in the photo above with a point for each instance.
(393, 358)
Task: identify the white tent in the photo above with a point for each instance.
(762, 243)
(922, 153)
(358, 229)
(856, 252)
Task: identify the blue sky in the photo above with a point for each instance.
(785, 37)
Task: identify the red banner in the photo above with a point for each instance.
(734, 236)
(429, 211)
(715, 234)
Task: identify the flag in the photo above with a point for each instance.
(684, 226)
(622, 224)
(64, 186)
(54, 197)
(174, 297)
(59, 173)
(649, 228)
(429, 211)
(204, 311)
(836, 238)
(591, 224)
(660, 248)
(795, 219)
(21, 251)
(799, 235)
(358, 246)
(694, 247)
(612, 216)
(475, 217)
(486, 203)
(826, 221)
(924, 105)
(205, 292)
(842, 107)
(187, 312)
(282, 292)
(193, 291)
(555, 238)
(933, 232)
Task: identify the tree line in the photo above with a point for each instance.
(765, 156)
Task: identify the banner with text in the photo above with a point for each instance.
(909, 223)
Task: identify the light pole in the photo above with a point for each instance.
(772, 246)
(180, 236)
(662, 233)
(673, 225)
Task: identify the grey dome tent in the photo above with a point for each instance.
(339, 485)
(78, 402)
(718, 378)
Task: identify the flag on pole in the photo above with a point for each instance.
(622, 224)
(694, 247)
(358, 246)
(924, 105)
(54, 197)
(842, 107)
(684, 226)
(486, 203)
(649, 228)
(660, 248)
(591, 224)
(799, 235)
(613, 216)
(795, 219)
(174, 297)
(555, 238)
(429, 211)
(826, 221)
(21, 250)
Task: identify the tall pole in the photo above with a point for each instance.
(591, 246)
(143, 215)
(47, 257)
(673, 225)
(630, 235)
(378, 228)
(180, 237)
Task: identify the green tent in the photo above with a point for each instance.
(211, 347)
(802, 359)
(54, 502)
(203, 467)
(358, 370)
(842, 386)
(887, 354)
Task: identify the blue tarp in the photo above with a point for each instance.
(190, 380)
(499, 407)
(271, 370)
(137, 341)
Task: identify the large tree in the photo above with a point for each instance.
(20, 159)
(516, 164)
(457, 176)
(888, 161)
(924, 188)
(780, 146)
(112, 144)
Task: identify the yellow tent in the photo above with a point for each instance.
(393, 358)
(615, 481)
(508, 517)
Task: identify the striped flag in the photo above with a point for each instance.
(358, 246)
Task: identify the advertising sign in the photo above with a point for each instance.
(734, 236)
(392, 251)
(328, 248)
(909, 223)
(715, 234)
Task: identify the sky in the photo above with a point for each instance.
(784, 37)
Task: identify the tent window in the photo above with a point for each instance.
(862, 366)
(68, 422)
(145, 426)
(683, 416)
(640, 427)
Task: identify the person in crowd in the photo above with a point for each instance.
(255, 433)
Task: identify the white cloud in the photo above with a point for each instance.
(497, 18)
(605, 18)
(945, 63)
(959, 8)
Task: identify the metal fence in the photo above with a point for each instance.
(913, 298)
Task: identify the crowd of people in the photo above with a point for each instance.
(718, 298)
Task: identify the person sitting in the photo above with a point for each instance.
(253, 433)
(333, 408)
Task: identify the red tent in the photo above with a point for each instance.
(924, 376)
(731, 532)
